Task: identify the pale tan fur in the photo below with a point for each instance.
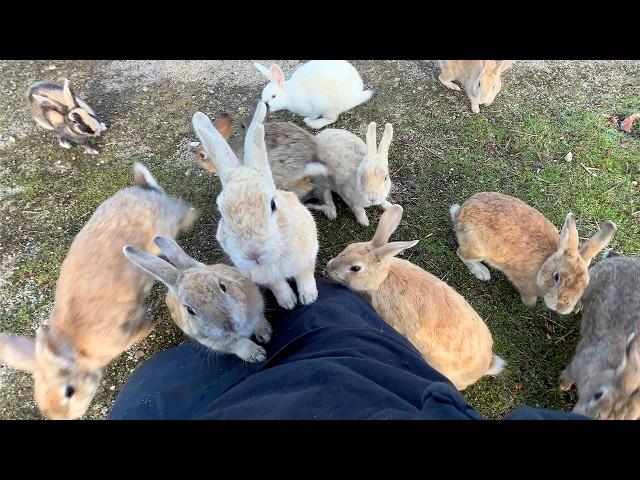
(433, 316)
(516, 239)
(481, 79)
(99, 301)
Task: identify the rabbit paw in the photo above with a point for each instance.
(331, 213)
(361, 217)
(309, 295)
(251, 352)
(475, 108)
(263, 332)
(480, 271)
(91, 150)
(565, 382)
(64, 143)
(286, 299)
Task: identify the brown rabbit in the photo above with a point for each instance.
(435, 318)
(480, 78)
(99, 302)
(518, 240)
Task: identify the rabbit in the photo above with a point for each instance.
(213, 304)
(292, 157)
(358, 172)
(319, 90)
(435, 318)
(606, 365)
(57, 108)
(516, 239)
(269, 235)
(481, 79)
(99, 299)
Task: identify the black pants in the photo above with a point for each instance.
(334, 359)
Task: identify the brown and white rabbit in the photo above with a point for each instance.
(358, 172)
(214, 304)
(56, 108)
(268, 234)
(518, 240)
(606, 366)
(292, 157)
(435, 318)
(99, 301)
(481, 79)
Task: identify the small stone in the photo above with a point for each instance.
(145, 89)
(51, 67)
(568, 157)
(138, 354)
(112, 387)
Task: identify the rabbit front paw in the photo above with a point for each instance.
(251, 352)
(264, 331)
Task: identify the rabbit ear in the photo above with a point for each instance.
(68, 95)
(596, 243)
(153, 265)
(215, 145)
(389, 221)
(502, 65)
(372, 150)
(48, 102)
(264, 70)
(629, 369)
(277, 75)
(223, 125)
(385, 142)
(255, 148)
(569, 235)
(18, 352)
(175, 254)
(392, 249)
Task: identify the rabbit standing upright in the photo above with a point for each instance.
(435, 318)
(358, 172)
(481, 79)
(319, 90)
(213, 304)
(294, 165)
(269, 235)
(606, 365)
(57, 108)
(99, 302)
(518, 240)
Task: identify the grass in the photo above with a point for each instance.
(441, 154)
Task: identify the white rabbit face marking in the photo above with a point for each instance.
(275, 97)
(249, 225)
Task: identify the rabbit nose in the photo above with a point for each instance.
(373, 197)
(254, 255)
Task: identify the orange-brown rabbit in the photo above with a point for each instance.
(518, 240)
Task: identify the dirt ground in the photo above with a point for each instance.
(441, 153)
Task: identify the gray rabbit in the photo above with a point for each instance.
(606, 366)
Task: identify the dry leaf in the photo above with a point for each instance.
(627, 123)
(519, 386)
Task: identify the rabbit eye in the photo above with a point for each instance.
(556, 278)
(273, 96)
(69, 391)
(598, 395)
(355, 268)
(190, 310)
(222, 287)
(274, 207)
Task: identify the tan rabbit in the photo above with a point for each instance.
(213, 304)
(516, 239)
(433, 316)
(358, 172)
(481, 79)
(99, 302)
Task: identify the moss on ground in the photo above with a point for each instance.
(441, 154)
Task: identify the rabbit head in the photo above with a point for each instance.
(248, 228)
(484, 88)
(78, 119)
(274, 93)
(63, 388)
(223, 125)
(373, 172)
(564, 276)
(219, 300)
(363, 266)
(612, 391)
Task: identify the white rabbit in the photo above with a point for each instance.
(269, 235)
(320, 90)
